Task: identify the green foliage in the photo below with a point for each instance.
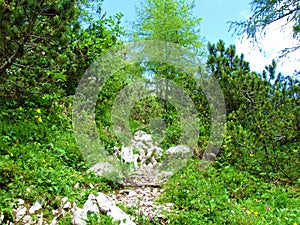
(87, 43)
(101, 219)
(46, 46)
(158, 20)
(39, 158)
(227, 196)
(263, 116)
(170, 21)
(106, 100)
(29, 61)
(45, 49)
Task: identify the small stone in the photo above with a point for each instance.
(140, 147)
(101, 168)
(21, 201)
(27, 219)
(54, 221)
(169, 204)
(55, 211)
(21, 211)
(1, 217)
(37, 206)
(109, 207)
(64, 200)
(131, 194)
(40, 219)
(178, 149)
(91, 205)
(79, 216)
(67, 205)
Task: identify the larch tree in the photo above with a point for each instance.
(170, 21)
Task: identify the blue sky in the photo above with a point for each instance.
(215, 15)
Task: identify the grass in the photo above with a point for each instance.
(39, 159)
(224, 195)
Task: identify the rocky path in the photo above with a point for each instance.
(140, 191)
(143, 201)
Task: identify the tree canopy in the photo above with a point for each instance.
(169, 20)
(45, 46)
(262, 112)
(29, 29)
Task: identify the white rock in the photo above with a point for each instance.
(37, 206)
(101, 168)
(55, 211)
(27, 219)
(139, 146)
(76, 185)
(40, 219)
(104, 202)
(21, 201)
(91, 205)
(131, 194)
(153, 161)
(21, 211)
(178, 149)
(1, 217)
(143, 137)
(107, 206)
(64, 200)
(79, 216)
(128, 156)
(67, 205)
(169, 204)
(147, 139)
(138, 134)
(54, 221)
